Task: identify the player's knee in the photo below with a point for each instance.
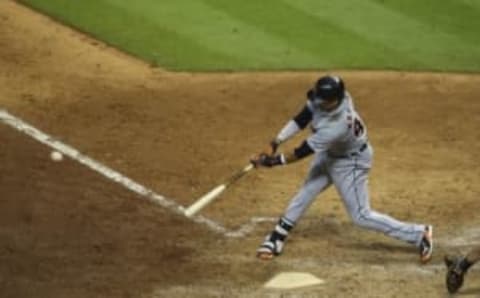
(362, 218)
(309, 192)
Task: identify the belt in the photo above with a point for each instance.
(351, 154)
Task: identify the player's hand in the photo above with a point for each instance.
(264, 158)
(273, 146)
(268, 161)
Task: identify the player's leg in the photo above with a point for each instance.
(350, 177)
(316, 182)
(457, 267)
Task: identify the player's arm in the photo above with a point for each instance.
(296, 124)
(318, 142)
(299, 153)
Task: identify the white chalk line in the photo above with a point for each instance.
(126, 182)
(248, 227)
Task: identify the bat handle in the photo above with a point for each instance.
(240, 174)
(249, 167)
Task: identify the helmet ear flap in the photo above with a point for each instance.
(341, 88)
(311, 94)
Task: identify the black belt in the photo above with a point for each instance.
(355, 153)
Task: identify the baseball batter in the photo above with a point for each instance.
(342, 157)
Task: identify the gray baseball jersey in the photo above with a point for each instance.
(343, 157)
(339, 132)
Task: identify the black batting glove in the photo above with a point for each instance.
(269, 161)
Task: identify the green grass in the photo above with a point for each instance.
(214, 35)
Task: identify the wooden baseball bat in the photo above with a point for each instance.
(214, 193)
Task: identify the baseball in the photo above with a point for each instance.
(56, 156)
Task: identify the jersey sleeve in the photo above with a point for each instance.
(304, 117)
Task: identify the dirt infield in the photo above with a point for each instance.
(67, 232)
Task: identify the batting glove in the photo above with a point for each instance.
(269, 161)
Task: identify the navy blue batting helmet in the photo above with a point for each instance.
(327, 88)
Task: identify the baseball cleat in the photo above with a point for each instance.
(270, 248)
(455, 273)
(273, 244)
(426, 245)
(264, 253)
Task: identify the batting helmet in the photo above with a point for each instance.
(327, 88)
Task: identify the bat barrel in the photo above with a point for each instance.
(204, 201)
(214, 193)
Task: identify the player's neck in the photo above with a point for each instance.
(332, 106)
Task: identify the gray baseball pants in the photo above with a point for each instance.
(349, 174)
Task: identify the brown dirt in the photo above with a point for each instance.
(67, 232)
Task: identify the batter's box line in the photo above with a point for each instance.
(126, 182)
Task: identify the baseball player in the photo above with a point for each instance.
(457, 267)
(342, 157)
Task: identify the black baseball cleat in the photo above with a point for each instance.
(274, 242)
(271, 247)
(266, 251)
(455, 273)
(426, 245)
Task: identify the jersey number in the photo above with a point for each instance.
(358, 128)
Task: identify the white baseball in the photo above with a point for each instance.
(56, 156)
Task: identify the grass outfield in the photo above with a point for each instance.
(213, 35)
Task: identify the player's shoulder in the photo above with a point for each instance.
(349, 99)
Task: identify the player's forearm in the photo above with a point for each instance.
(299, 153)
(269, 161)
(287, 132)
(290, 157)
(299, 122)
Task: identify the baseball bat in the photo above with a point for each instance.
(214, 193)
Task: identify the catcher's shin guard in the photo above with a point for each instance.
(275, 241)
(457, 267)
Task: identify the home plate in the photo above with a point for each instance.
(292, 280)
